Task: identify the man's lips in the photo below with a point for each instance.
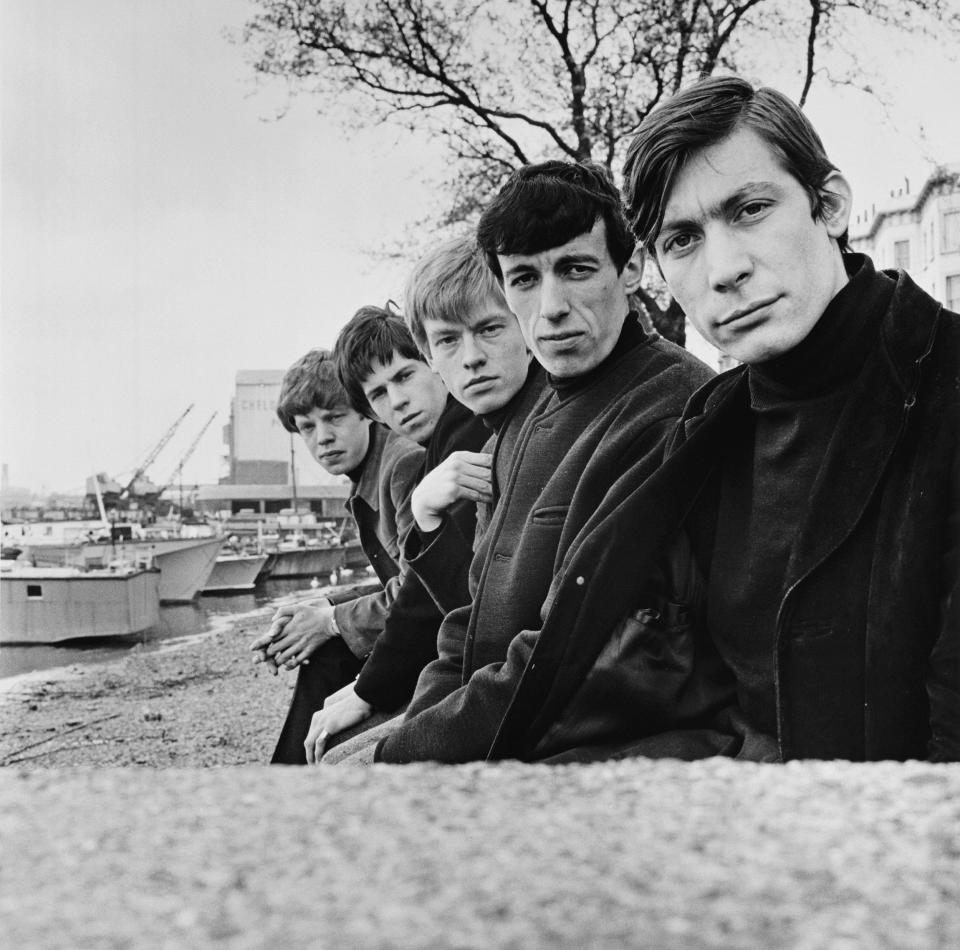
(560, 339)
(330, 456)
(746, 311)
(479, 381)
(406, 420)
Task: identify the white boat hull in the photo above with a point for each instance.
(234, 572)
(304, 562)
(185, 563)
(50, 605)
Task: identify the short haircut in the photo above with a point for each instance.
(544, 206)
(371, 334)
(311, 383)
(445, 284)
(704, 114)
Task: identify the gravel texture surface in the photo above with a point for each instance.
(636, 854)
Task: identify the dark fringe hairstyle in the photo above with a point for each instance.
(544, 206)
(372, 333)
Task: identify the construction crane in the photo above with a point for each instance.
(151, 458)
(186, 455)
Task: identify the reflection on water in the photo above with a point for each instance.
(176, 620)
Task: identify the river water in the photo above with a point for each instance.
(176, 620)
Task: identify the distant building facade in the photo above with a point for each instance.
(918, 233)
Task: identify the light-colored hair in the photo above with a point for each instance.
(445, 284)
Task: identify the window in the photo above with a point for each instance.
(901, 255)
(951, 231)
(931, 245)
(34, 591)
(952, 299)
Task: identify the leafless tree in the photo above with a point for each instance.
(506, 82)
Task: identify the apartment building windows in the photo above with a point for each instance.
(901, 255)
(951, 230)
(952, 300)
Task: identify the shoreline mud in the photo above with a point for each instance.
(194, 701)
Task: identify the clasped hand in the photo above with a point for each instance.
(297, 630)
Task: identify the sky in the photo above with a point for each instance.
(163, 228)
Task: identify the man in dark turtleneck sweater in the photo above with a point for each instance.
(818, 482)
(556, 238)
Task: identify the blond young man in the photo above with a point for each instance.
(457, 316)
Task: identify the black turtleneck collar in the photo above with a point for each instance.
(632, 334)
(832, 353)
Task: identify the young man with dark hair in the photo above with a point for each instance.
(333, 637)
(387, 378)
(818, 482)
(556, 238)
(456, 313)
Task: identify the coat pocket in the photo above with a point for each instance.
(551, 515)
(643, 682)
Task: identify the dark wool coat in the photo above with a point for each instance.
(884, 515)
(569, 453)
(408, 641)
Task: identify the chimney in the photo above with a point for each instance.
(907, 181)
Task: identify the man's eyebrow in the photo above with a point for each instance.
(723, 208)
(403, 369)
(519, 268)
(577, 257)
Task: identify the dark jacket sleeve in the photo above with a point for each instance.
(441, 559)
(409, 638)
(406, 645)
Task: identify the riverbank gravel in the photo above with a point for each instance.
(197, 702)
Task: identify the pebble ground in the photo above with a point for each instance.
(714, 854)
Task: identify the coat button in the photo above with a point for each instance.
(580, 581)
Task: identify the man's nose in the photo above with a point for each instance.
(728, 262)
(397, 395)
(553, 299)
(325, 435)
(473, 354)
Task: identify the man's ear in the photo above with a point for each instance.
(836, 204)
(633, 270)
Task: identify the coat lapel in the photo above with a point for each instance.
(868, 430)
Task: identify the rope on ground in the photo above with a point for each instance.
(10, 756)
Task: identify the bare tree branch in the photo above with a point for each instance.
(816, 10)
